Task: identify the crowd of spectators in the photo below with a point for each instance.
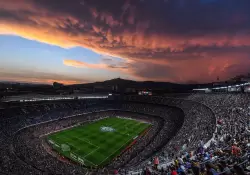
(21, 128)
(198, 134)
(171, 120)
(30, 151)
(15, 118)
(194, 127)
(227, 152)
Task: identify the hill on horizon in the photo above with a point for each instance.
(123, 83)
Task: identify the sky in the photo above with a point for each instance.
(81, 41)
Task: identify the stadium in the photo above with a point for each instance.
(130, 134)
(124, 87)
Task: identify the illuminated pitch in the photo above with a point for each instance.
(96, 144)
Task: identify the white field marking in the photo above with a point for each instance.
(69, 144)
(138, 120)
(116, 151)
(48, 121)
(86, 141)
(91, 152)
(97, 147)
(130, 139)
(56, 143)
(89, 161)
(84, 159)
(129, 128)
(80, 156)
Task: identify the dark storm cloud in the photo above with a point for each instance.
(175, 40)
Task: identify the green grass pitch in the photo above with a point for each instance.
(97, 143)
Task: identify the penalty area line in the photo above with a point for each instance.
(76, 152)
(89, 161)
(86, 141)
(130, 139)
(91, 152)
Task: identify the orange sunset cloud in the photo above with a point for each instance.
(158, 43)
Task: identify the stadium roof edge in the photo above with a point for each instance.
(223, 87)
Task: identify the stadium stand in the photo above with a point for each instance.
(194, 134)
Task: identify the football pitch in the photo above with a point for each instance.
(97, 143)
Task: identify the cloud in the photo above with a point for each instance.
(81, 64)
(38, 77)
(166, 41)
(108, 65)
